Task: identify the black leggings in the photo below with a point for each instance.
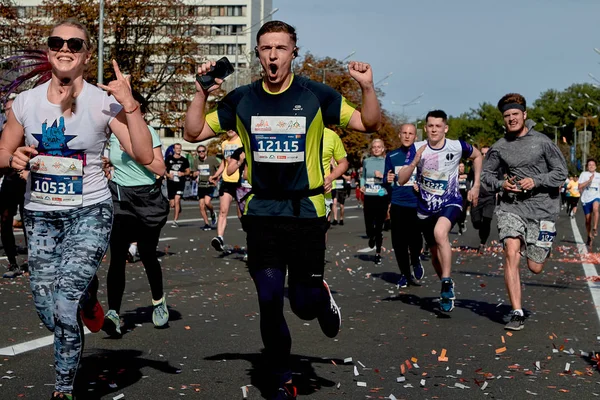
(375, 212)
(406, 237)
(307, 302)
(485, 227)
(127, 229)
(13, 196)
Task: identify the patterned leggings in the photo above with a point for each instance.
(65, 251)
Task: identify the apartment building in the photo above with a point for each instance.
(221, 28)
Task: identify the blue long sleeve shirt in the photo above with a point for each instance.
(402, 195)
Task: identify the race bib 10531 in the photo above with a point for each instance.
(57, 181)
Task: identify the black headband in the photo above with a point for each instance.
(511, 106)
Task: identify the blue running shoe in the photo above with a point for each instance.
(403, 282)
(447, 295)
(419, 271)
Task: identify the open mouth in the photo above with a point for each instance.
(273, 68)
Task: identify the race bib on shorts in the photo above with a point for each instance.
(373, 186)
(434, 182)
(57, 181)
(339, 183)
(546, 235)
(278, 139)
(462, 184)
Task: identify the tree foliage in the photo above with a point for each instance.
(154, 41)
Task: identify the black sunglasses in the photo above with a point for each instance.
(55, 43)
(201, 151)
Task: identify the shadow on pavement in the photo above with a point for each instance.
(491, 311)
(110, 371)
(143, 315)
(305, 378)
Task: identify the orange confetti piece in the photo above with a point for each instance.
(333, 362)
(442, 357)
(509, 334)
(502, 338)
(551, 337)
(408, 364)
(563, 390)
(414, 359)
(443, 353)
(433, 352)
(500, 350)
(402, 369)
(187, 328)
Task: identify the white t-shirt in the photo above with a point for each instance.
(437, 176)
(67, 172)
(591, 191)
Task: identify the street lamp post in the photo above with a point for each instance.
(556, 128)
(324, 70)
(584, 147)
(412, 102)
(101, 44)
(237, 35)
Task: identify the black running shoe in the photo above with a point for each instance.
(378, 260)
(372, 242)
(13, 272)
(331, 319)
(218, 243)
(341, 222)
(516, 323)
(334, 222)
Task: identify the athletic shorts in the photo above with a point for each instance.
(536, 236)
(175, 189)
(428, 224)
(573, 201)
(285, 242)
(228, 187)
(589, 207)
(205, 191)
(340, 195)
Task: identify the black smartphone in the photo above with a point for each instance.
(221, 70)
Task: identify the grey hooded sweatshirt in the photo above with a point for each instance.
(535, 156)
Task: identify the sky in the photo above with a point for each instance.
(459, 53)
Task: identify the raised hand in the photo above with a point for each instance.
(120, 88)
(361, 72)
(204, 69)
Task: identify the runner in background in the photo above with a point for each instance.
(589, 187)
(178, 167)
(228, 188)
(203, 169)
(573, 197)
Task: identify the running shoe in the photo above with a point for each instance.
(61, 396)
(13, 272)
(112, 324)
(213, 218)
(334, 222)
(286, 392)
(160, 314)
(206, 227)
(403, 282)
(378, 260)
(447, 295)
(341, 222)
(516, 323)
(419, 271)
(464, 228)
(218, 244)
(331, 319)
(92, 314)
(174, 224)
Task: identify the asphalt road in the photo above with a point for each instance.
(389, 346)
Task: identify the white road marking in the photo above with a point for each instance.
(31, 345)
(588, 269)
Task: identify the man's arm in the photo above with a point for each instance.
(195, 128)
(340, 168)
(477, 163)
(369, 119)
(557, 169)
(217, 174)
(489, 171)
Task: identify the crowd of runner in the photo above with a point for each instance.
(287, 172)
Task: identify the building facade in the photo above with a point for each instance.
(222, 28)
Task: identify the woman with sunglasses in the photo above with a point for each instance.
(68, 207)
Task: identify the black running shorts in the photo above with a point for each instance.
(295, 243)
